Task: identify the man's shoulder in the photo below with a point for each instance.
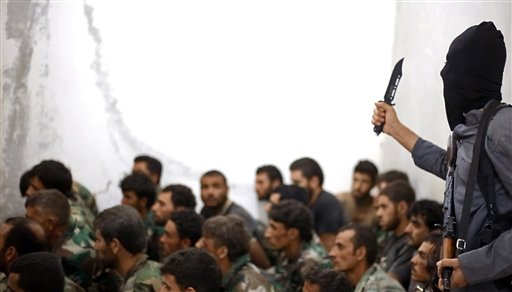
(377, 280)
(148, 275)
(253, 280)
(315, 254)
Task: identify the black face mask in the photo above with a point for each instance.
(473, 72)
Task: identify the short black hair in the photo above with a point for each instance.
(141, 185)
(364, 236)
(367, 167)
(431, 212)
(309, 168)
(189, 224)
(39, 272)
(124, 223)
(154, 165)
(52, 201)
(215, 172)
(195, 268)
(22, 236)
(182, 196)
(54, 175)
(293, 214)
(272, 172)
(392, 176)
(329, 280)
(399, 191)
(292, 192)
(228, 231)
(24, 183)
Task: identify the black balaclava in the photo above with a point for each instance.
(473, 72)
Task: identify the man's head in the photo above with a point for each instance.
(320, 280)
(268, 177)
(50, 208)
(39, 271)
(424, 216)
(138, 191)
(182, 230)
(473, 73)
(364, 178)
(24, 183)
(50, 174)
(214, 189)
(306, 173)
(172, 198)
(225, 237)
(118, 231)
(393, 203)
(386, 178)
(290, 222)
(287, 192)
(191, 270)
(426, 257)
(149, 166)
(19, 236)
(355, 246)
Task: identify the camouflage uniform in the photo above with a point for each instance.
(86, 201)
(77, 252)
(153, 234)
(288, 274)
(3, 282)
(144, 276)
(375, 279)
(245, 277)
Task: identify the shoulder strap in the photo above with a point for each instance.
(489, 111)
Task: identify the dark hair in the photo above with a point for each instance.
(430, 211)
(329, 280)
(228, 231)
(293, 214)
(182, 196)
(272, 172)
(141, 185)
(154, 165)
(195, 268)
(23, 236)
(364, 236)
(24, 183)
(392, 176)
(292, 192)
(124, 223)
(436, 238)
(54, 175)
(309, 168)
(188, 224)
(399, 191)
(51, 201)
(39, 272)
(214, 172)
(367, 167)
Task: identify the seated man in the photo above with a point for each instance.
(51, 210)
(149, 166)
(172, 198)
(268, 178)
(326, 281)
(226, 238)
(120, 243)
(182, 230)
(18, 236)
(358, 203)
(424, 216)
(290, 232)
(424, 269)
(191, 270)
(354, 254)
(38, 271)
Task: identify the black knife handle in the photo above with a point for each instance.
(378, 129)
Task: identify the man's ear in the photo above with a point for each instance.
(222, 252)
(185, 242)
(142, 203)
(361, 253)
(314, 182)
(10, 254)
(403, 207)
(115, 246)
(293, 233)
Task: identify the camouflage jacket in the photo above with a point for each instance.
(3, 282)
(85, 199)
(77, 252)
(245, 277)
(288, 274)
(144, 276)
(375, 279)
